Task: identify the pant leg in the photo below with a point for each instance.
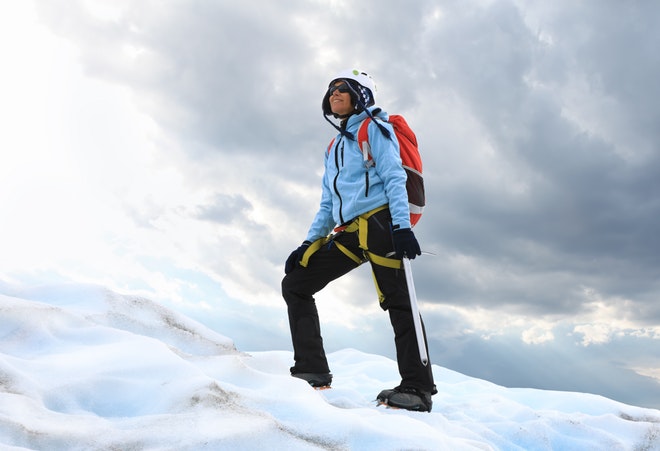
(413, 372)
(298, 289)
(396, 301)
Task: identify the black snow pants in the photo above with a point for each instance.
(329, 263)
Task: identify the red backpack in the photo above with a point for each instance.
(412, 161)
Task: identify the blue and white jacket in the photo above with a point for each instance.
(350, 189)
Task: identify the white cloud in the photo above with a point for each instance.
(537, 335)
(594, 333)
(653, 372)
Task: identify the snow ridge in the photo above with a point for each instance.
(82, 367)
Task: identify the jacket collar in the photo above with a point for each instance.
(356, 119)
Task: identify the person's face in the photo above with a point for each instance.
(340, 99)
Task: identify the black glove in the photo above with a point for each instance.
(405, 244)
(294, 258)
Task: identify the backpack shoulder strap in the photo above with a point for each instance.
(332, 141)
(363, 139)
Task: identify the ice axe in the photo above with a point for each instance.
(421, 344)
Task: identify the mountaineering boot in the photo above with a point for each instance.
(316, 380)
(408, 398)
(383, 395)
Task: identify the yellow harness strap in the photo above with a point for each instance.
(363, 229)
(348, 253)
(315, 246)
(360, 225)
(384, 261)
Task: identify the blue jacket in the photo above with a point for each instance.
(350, 189)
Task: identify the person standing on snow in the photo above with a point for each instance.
(368, 204)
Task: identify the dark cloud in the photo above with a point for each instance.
(588, 210)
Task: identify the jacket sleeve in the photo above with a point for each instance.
(385, 152)
(323, 222)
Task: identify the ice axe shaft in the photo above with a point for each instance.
(421, 343)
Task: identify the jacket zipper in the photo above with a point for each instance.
(334, 183)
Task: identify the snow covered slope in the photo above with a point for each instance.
(85, 368)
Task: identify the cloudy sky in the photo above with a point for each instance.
(174, 150)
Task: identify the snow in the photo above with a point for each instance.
(85, 368)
